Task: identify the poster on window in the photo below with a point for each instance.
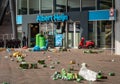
(58, 40)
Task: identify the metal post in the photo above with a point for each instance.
(95, 26)
(80, 5)
(16, 7)
(96, 33)
(96, 4)
(40, 6)
(67, 6)
(112, 35)
(66, 35)
(53, 11)
(74, 39)
(13, 18)
(66, 27)
(28, 12)
(54, 6)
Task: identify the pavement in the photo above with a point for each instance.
(11, 73)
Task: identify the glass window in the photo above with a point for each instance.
(88, 4)
(77, 26)
(47, 6)
(22, 7)
(60, 5)
(73, 5)
(70, 26)
(33, 6)
(106, 4)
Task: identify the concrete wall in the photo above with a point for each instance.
(26, 20)
(6, 27)
(117, 28)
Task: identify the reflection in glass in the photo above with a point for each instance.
(106, 4)
(88, 4)
(73, 5)
(22, 7)
(60, 5)
(33, 6)
(47, 6)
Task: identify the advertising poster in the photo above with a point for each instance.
(58, 40)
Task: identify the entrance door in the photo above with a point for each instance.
(33, 30)
(73, 34)
(100, 32)
(104, 28)
(108, 33)
(70, 35)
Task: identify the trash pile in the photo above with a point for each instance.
(83, 74)
(59, 49)
(64, 75)
(5, 83)
(92, 51)
(19, 57)
(69, 74)
(23, 64)
(42, 62)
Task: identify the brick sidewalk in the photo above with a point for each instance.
(10, 71)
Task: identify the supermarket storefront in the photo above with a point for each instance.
(93, 25)
(70, 25)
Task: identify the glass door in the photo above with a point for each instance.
(108, 33)
(70, 35)
(104, 33)
(73, 34)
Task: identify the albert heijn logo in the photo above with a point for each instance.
(50, 18)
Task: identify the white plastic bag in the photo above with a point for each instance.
(87, 74)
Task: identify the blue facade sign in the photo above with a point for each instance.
(19, 19)
(95, 15)
(55, 17)
(101, 15)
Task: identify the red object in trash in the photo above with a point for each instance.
(88, 44)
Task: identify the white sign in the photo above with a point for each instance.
(111, 12)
